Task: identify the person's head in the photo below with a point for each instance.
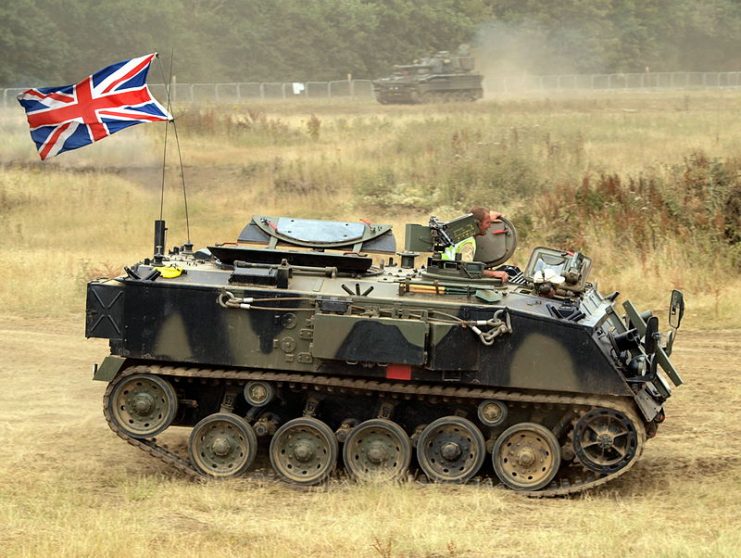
(483, 218)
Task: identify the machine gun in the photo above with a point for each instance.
(438, 235)
(435, 238)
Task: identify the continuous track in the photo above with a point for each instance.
(576, 480)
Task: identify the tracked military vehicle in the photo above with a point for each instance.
(442, 77)
(318, 344)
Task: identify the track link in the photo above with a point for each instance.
(577, 481)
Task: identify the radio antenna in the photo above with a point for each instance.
(168, 86)
(188, 245)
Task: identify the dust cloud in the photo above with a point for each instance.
(521, 52)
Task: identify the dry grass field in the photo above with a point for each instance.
(644, 183)
(69, 487)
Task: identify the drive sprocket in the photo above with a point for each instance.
(605, 440)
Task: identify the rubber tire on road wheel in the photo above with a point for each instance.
(392, 446)
(463, 442)
(526, 456)
(155, 398)
(222, 445)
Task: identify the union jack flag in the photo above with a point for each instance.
(73, 116)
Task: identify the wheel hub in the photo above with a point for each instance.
(377, 453)
(142, 404)
(303, 452)
(221, 446)
(492, 412)
(450, 451)
(525, 457)
(258, 392)
(605, 440)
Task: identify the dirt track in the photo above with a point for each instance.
(52, 428)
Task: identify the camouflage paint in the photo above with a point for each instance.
(184, 324)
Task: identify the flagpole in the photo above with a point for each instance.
(167, 126)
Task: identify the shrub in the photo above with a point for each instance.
(695, 202)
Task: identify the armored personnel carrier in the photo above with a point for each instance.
(442, 77)
(296, 343)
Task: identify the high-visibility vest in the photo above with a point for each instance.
(466, 248)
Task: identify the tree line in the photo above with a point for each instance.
(51, 42)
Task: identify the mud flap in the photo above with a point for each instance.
(108, 369)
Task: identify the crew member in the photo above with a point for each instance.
(467, 247)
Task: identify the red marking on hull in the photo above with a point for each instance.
(398, 372)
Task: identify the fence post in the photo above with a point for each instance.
(239, 92)
(5, 97)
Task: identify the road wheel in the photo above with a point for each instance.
(142, 405)
(304, 451)
(222, 445)
(451, 449)
(526, 456)
(377, 449)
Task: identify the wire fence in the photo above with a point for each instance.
(639, 81)
(363, 89)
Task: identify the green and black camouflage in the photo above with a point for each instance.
(542, 374)
(442, 77)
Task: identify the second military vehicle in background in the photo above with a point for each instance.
(440, 78)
